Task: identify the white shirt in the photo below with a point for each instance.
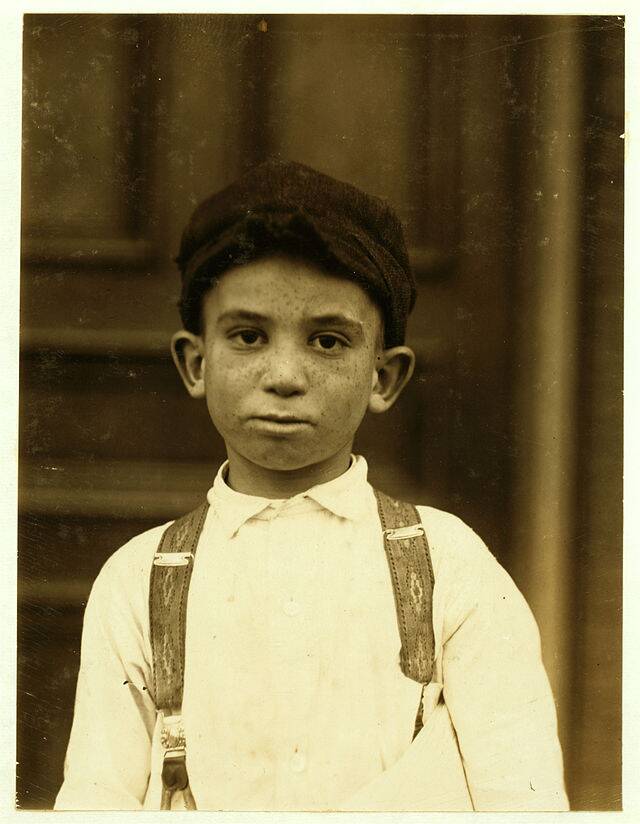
(293, 694)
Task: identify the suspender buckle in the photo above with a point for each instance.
(404, 532)
(172, 558)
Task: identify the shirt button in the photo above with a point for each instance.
(291, 607)
(298, 763)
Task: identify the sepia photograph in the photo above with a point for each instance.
(321, 412)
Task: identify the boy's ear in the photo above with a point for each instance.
(187, 350)
(393, 370)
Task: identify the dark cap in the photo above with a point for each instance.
(285, 206)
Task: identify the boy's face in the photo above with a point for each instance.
(288, 360)
(290, 354)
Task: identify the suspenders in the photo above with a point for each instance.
(411, 571)
(407, 550)
(169, 587)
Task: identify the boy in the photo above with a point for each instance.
(296, 290)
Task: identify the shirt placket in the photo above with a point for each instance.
(294, 648)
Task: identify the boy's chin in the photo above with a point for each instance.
(289, 463)
(286, 459)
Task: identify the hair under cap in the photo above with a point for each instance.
(286, 206)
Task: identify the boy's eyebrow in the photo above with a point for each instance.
(329, 319)
(242, 314)
(337, 320)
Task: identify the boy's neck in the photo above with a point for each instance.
(248, 478)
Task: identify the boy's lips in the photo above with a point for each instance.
(280, 423)
(280, 419)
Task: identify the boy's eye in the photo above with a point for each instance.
(248, 337)
(328, 342)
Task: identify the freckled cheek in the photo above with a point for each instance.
(227, 385)
(346, 390)
(228, 373)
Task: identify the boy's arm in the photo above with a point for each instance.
(108, 759)
(497, 690)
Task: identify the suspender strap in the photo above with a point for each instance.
(170, 576)
(168, 591)
(409, 560)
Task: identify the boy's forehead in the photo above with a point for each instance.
(281, 285)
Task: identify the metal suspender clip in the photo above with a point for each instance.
(404, 532)
(172, 558)
(174, 763)
(172, 735)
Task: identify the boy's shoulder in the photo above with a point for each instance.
(455, 547)
(119, 597)
(134, 558)
(459, 556)
(448, 533)
(470, 581)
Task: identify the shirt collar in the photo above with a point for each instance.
(344, 496)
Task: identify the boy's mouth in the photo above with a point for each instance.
(280, 422)
(281, 418)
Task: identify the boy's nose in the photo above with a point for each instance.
(285, 375)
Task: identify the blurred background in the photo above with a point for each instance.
(498, 141)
